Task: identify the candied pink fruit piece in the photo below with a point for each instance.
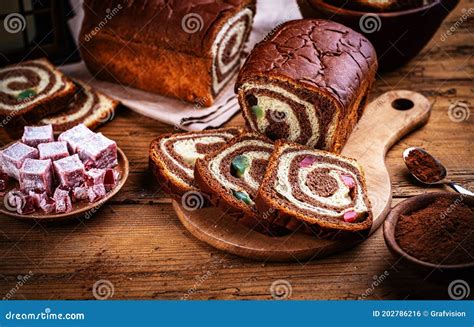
(348, 180)
(34, 135)
(98, 152)
(350, 216)
(12, 158)
(36, 175)
(307, 162)
(53, 150)
(75, 136)
(69, 171)
(48, 205)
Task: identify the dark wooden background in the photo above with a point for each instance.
(137, 244)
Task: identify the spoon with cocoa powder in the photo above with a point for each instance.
(429, 170)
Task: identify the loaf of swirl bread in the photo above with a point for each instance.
(315, 191)
(185, 49)
(307, 82)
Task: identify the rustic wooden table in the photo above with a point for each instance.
(137, 245)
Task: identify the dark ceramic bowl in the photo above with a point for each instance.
(397, 36)
(413, 204)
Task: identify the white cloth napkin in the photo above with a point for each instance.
(187, 116)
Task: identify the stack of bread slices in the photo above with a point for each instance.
(272, 187)
(36, 93)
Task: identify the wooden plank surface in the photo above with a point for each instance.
(136, 242)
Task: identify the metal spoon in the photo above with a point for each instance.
(436, 171)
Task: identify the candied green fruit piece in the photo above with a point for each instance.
(239, 165)
(242, 196)
(257, 111)
(26, 94)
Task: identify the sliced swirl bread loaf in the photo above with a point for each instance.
(29, 91)
(88, 106)
(231, 178)
(172, 156)
(307, 83)
(315, 191)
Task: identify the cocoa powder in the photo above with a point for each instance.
(424, 166)
(440, 233)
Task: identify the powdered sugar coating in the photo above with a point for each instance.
(76, 136)
(69, 171)
(53, 150)
(12, 158)
(37, 176)
(34, 135)
(98, 152)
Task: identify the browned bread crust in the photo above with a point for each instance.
(326, 65)
(16, 112)
(171, 55)
(287, 214)
(164, 172)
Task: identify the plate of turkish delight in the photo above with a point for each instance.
(48, 179)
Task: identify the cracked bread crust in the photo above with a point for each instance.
(317, 60)
(288, 215)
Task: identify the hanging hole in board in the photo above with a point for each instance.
(402, 104)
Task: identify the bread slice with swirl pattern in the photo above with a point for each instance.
(29, 91)
(231, 177)
(315, 191)
(88, 106)
(172, 156)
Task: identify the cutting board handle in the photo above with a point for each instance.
(385, 121)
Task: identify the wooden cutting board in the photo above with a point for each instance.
(387, 119)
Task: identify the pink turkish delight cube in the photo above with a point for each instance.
(48, 205)
(98, 152)
(12, 158)
(69, 171)
(38, 197)
(80, 193)
(96, 192)
(62, 200)
(36, 175)
(34, 135)
(110, 179)
(76, 136)
(53, 150)
(95, 176)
